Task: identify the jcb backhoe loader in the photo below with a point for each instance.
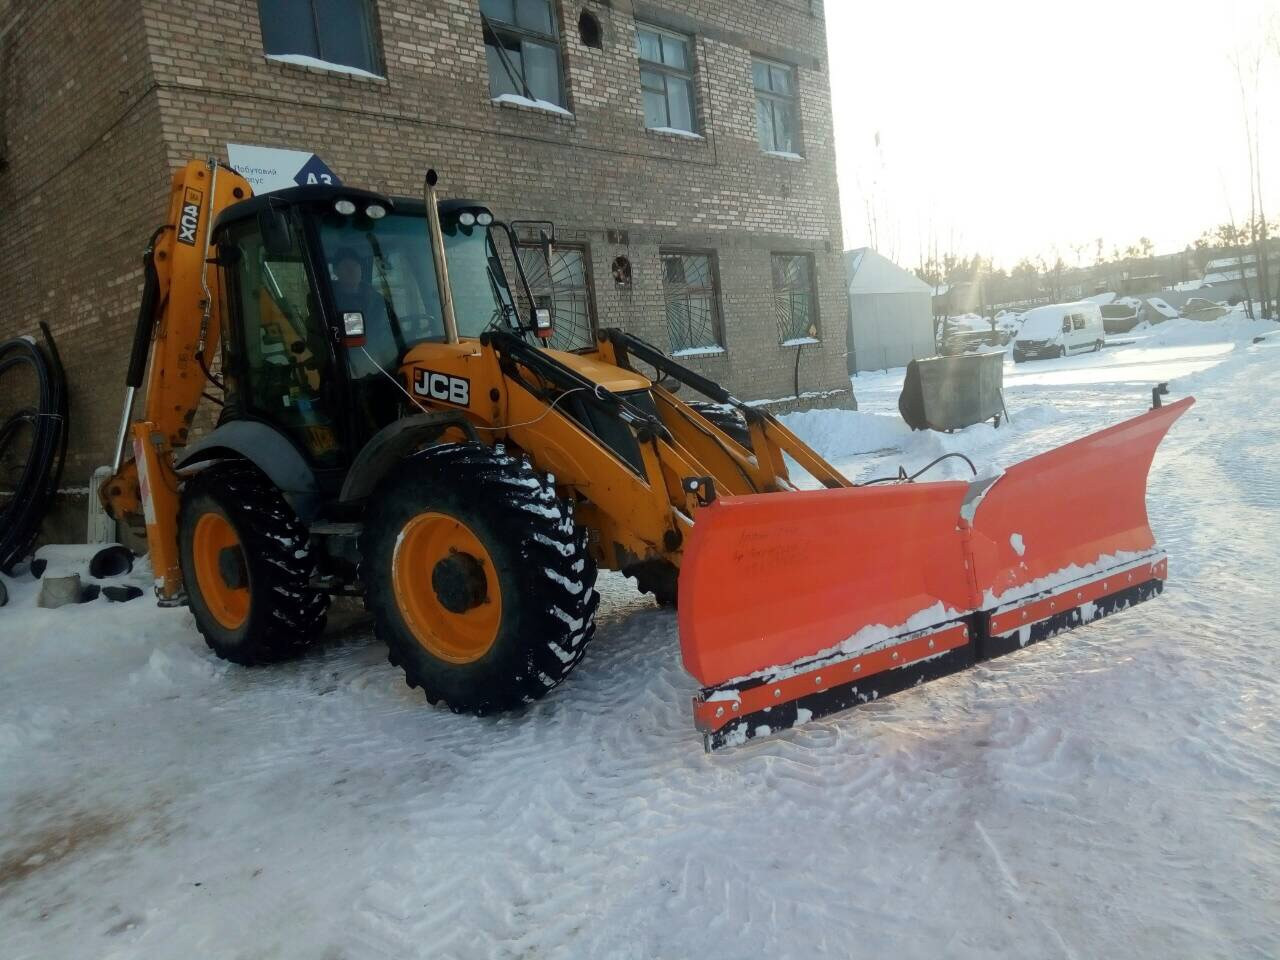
(395, 424)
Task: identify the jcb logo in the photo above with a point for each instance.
(441, 386)
(189, 219)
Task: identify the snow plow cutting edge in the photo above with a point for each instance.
(797, 607)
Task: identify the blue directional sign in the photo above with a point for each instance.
(316, 171)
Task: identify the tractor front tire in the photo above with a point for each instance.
(479, 582)
(247, 565)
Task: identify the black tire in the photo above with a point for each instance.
(1019, 358)
(1097, 345)
(285, 613)
(728, 419)
(659, 578)
(1062, 352)
(541, 566)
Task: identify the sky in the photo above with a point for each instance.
(1028, 128)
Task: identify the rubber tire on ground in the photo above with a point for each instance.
(1062, 352)
(286, 614)
(1018, 358)
(545, 574)
(659, 578)
(728, 419)
(1097, 345)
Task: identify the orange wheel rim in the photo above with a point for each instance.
(227, 602)
(446, 587)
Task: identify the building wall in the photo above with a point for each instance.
(889, 329)
(116, 94)
(84, 185)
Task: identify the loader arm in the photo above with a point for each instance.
(179, 317)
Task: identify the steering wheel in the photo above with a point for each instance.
(423, 321)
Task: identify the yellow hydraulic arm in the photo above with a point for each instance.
(179, 324)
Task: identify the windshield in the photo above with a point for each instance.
(383, 269)
(1042, 323)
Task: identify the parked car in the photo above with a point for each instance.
(1122, 315)
(970, 332)
(1058, 330)
(1008, 322)
(1198, 308)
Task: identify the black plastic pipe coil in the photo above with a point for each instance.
(35, 484)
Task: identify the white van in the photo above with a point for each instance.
(1059, 329)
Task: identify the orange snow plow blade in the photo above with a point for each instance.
(798, 605)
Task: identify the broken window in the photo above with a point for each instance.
(794, 300)
(522, 46)
(691, 289)
(333, 31)
(666, 79)
(775, 106)
(565, 284)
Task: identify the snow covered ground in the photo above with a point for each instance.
(1112, 792)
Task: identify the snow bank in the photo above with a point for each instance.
(980, 816)
(838, 434)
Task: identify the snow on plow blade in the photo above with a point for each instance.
(798, 605)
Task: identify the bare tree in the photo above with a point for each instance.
(1248, 67)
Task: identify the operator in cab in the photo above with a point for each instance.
(375, 395)
(352, 293)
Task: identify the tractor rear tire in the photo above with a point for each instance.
(479, 582)
(727, 418)
(247, 564)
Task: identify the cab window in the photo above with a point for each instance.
(1077, 321)
(279, 343)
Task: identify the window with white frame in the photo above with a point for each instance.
(776, 126)
(691, 290)
(522, 46)
(331, 31)
(794, 301)
(666, 79)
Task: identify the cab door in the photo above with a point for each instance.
(281, 367)
(1078, 337)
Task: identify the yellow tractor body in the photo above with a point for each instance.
(397, 423)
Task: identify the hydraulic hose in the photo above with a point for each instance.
(32, 487)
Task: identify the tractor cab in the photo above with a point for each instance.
(328, 289)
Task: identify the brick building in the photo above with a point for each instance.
(684, 150)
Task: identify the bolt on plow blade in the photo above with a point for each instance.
(797, 605)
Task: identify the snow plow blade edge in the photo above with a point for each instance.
(785, 598)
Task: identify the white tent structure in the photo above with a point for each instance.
(890, 313)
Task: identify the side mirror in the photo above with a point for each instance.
(229, 255)
(544, 317)
(277, 240)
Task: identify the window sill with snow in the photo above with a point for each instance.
(698, 352)
(514, 100)
(675, 133)
(312, 65)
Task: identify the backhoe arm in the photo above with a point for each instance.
(179, 318)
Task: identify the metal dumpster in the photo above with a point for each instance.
(947, 393)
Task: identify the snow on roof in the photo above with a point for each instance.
(1230, 263)
(871, 273)
(1100, 298)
